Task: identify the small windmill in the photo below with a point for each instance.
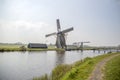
(80, 44)
(60, 40)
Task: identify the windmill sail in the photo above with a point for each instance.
(67, 30)
(58, 25)
(50, 34)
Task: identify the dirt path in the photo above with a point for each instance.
(97, 72)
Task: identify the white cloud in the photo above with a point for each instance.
(24, 31)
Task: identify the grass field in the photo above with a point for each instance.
(80, 70)
(112, 69)
(10, 47)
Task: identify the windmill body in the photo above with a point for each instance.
(60, 40)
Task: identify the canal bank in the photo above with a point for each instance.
(80, 70)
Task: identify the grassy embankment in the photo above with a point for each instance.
(112, 69)
(80, 70)
(8, 47)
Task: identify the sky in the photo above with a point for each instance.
(28, 21)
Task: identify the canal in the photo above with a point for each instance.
(26, 65)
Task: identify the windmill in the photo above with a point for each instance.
(60, 40)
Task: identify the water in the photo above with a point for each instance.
(26, 65)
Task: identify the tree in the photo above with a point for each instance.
(22, 48)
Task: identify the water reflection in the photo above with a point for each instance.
(60, 57)
(31, 52)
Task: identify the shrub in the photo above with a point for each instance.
(59, 71)
(44, 77)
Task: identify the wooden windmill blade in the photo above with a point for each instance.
(50, 34)
(58, 25)
(67, 30)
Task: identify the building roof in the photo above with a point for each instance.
(37, 45)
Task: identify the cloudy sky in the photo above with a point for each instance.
(97, 21)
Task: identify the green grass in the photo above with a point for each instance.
(44, 77)
(12, 47)
(80, 70)
(60, 70)
(112, 69)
